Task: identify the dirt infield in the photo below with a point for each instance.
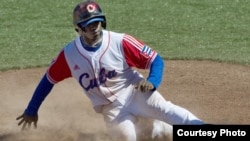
(217, 93)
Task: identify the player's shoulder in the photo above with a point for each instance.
(72, 43)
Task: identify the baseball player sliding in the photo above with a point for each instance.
(102, 62)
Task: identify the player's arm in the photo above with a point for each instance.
(41, 91)
(139, 55)
(57, 71)
(156, 71)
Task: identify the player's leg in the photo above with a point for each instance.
(120, 124)
(155, 129)
(153, 105)
(123, 130)
(161, 130)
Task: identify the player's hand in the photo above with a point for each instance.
(144, 86)
(26, 121)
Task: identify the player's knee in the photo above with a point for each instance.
(161, 130)
(123, 131)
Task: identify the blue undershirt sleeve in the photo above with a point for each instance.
(42, 90)
(156, 71)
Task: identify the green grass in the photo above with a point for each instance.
(33, 32)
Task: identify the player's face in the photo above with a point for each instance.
(92, 31)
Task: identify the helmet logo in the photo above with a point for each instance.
(90, 8)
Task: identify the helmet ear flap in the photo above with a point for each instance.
(77, 28)
(104, 24)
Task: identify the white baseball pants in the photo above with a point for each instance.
(121, 115)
